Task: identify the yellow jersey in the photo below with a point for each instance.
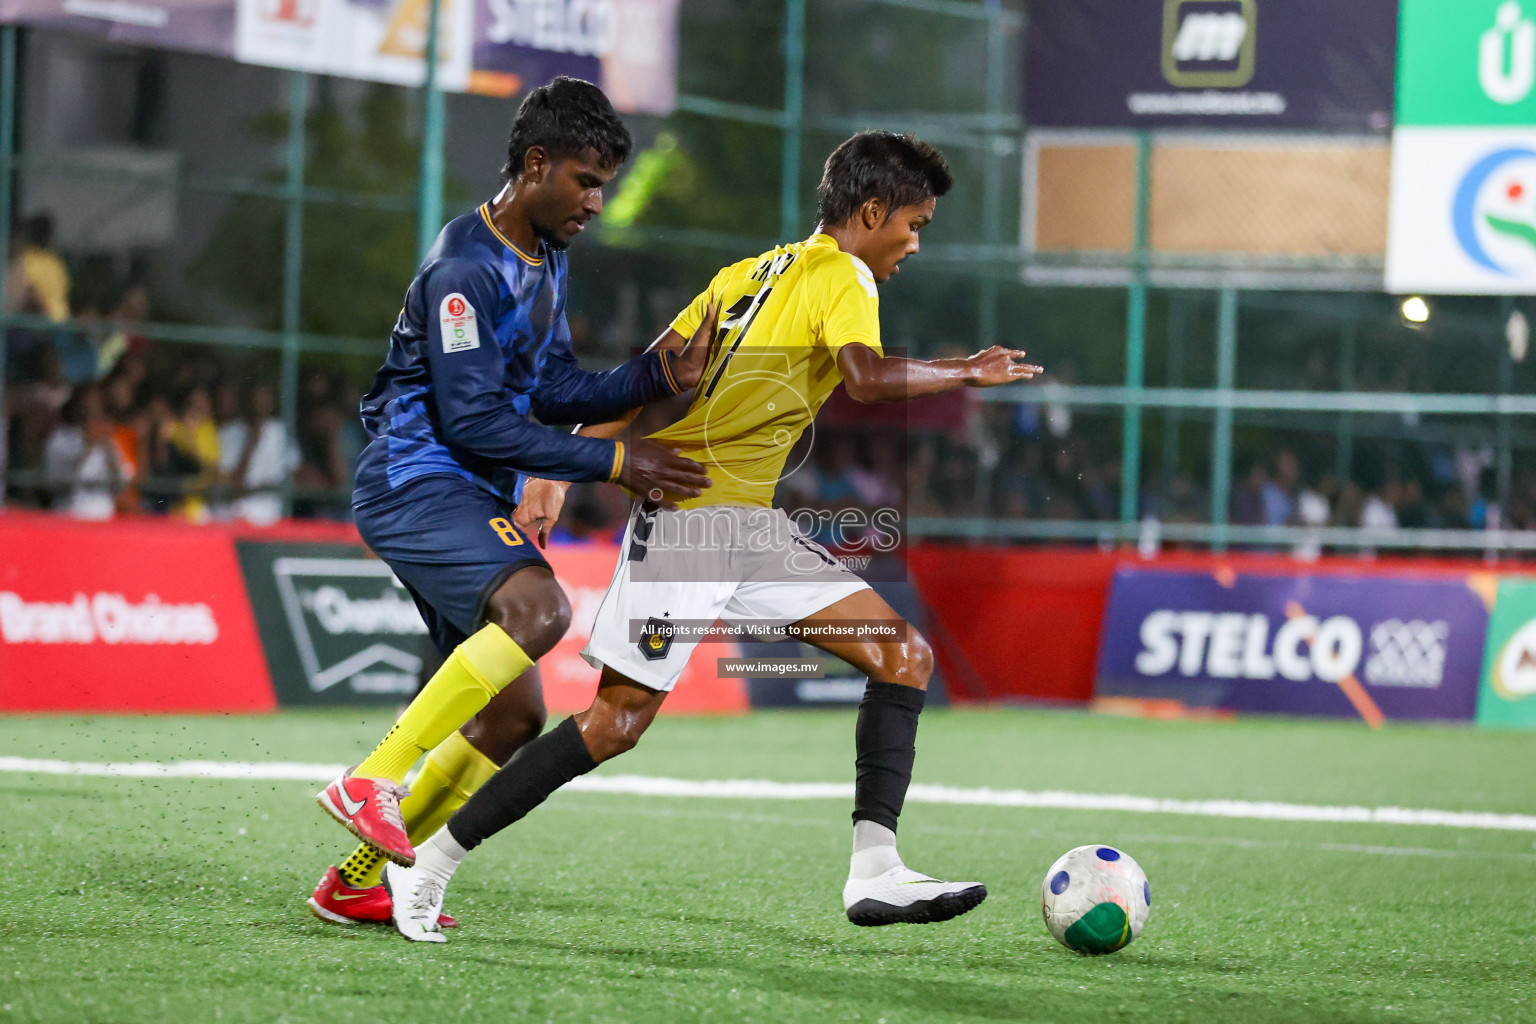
(784, 316)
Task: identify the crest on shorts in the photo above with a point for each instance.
(655, 639)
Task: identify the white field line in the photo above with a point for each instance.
(761, 789)
(837, 822)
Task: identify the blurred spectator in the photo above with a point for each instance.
(122, 336)
(255, 457)
(328, 450)
(1248, 497)
(84, 468)
(1278, 495)
(881, 482)
(1486, 514)
(38, 280)
(1378, 512)
(195, 438)
(32, 408)
(1412, 511)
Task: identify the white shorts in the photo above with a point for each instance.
(681, 571)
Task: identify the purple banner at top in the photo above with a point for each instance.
(1325, 64)
(496, 47)
(1410, 646)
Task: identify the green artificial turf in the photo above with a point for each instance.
(127, 900)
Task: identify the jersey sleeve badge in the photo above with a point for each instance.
(456, 317)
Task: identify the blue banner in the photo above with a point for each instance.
(1394, 647)
(1229, 63)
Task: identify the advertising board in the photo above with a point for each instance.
(337, 626)
(1508, 695)
(1463, 210)
(1207, 63)
(142, 617)
(1377, 647)
(494, 47)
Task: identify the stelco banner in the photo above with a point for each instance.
(1463, 213)
(1377, 647)
(1245, 63)
(494, 47)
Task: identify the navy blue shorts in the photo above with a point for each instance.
(451, 544)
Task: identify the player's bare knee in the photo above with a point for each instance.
(911, 662)
(535, 617)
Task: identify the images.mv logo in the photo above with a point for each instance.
(1209, 43)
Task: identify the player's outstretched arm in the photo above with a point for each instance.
(872, 377)
(670, 366)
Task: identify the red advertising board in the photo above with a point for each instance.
(136, 616)
(584, 570)
(147, 615)
(1015, 623)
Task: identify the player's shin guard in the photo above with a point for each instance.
(886, 742)
(452, 773)
(477, 670)
(534, 772)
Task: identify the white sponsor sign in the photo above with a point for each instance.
(1236, 645)
(376, 41)
(365, 638)
(1463, 211)
(106, 618)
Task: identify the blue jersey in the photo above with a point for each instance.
(481, 344)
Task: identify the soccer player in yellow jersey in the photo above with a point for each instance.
(793, 324)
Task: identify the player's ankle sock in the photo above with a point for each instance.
(439, 857)
(363, 868)
(885, 739)
(874, 850)
(449, 776)
(475, 672)
(523, 783)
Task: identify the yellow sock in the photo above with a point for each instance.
(475, 672)
(450, 776)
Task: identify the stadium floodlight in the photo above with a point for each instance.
(1416, 310)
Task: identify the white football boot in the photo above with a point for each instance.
(417, 903)
(904, 896)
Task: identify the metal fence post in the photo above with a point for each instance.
(7, 179)
(429, 217)
(794, 117)
(1344, 439)
(992, 173)
(1136, 338)
(1504, 429)
(1173, 376)
(293, 263)
(1221, 434)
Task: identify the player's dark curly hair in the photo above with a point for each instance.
(899, 170)
(566, 116)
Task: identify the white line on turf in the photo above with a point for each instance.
(1066, 831)
(761, 789)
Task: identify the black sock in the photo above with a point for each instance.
(535, 771)
(886, 741)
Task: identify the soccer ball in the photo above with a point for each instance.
(1095, 899)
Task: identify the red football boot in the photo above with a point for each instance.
(370, 809)
(335, 901)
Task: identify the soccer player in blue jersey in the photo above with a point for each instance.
(481, 345)
(799, 321)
